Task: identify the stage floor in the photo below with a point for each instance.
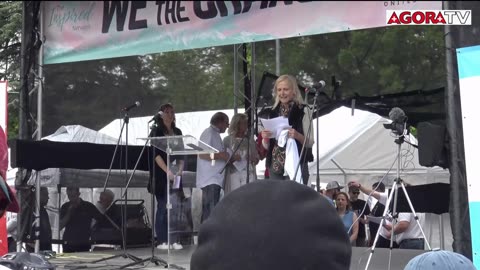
(71, 261)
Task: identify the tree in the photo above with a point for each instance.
(10, 31)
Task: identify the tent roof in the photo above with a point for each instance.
(361, 146)
(191, 123)
(78, 133)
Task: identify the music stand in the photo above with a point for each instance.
(172, 146)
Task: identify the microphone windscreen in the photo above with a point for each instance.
(396, 115)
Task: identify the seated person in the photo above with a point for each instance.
(112, 217)
(105, 200)
(76, 217)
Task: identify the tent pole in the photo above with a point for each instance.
(341, 169)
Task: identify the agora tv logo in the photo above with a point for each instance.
(429, 17)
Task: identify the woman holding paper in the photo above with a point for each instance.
(165, 126)
(288, 103)
(239, 142)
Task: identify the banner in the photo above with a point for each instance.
(86, 30)
(469, 72)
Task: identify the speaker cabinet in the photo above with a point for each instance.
(432, 145)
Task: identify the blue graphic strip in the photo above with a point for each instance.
(468, 62)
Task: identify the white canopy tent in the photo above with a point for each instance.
(358, 147)
(354, 145)
(191, 123)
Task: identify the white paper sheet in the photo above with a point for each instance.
(275, 125)
(176, 183)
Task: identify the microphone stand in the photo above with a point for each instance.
(231, 156)
(305, 139)
(124, 210)
(317, 146)
(152, 258)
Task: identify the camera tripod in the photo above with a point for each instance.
(394, 196)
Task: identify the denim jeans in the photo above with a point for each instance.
(161, 218)
(161, 229)
(417, 243)
(210, 198)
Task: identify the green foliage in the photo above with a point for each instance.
(10, 30)
(92, 93)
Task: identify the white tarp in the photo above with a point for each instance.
(191, 123)
(366, 151)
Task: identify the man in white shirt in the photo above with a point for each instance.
(210, 168)
(384, 232)
(407, 231)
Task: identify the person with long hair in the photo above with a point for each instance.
(348, 216)
(238, 139)
(288, 103)
(165, 126)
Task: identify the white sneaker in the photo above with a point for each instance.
(163, 246)
(177, 246)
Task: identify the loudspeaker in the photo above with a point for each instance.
(24, 260)
(432, 145)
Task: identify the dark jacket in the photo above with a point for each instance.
(159, 175)
(295, 118)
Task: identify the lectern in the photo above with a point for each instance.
(177, 146)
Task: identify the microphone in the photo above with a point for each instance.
(316, 87)
(128, 108)
(397, 115)
(399, 119)
(156, 117)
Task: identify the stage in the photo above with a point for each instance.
(399, 258)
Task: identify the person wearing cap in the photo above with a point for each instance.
(247, 231)
(360, 207)
(384, 234)
(331, 191)
(440, 260)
